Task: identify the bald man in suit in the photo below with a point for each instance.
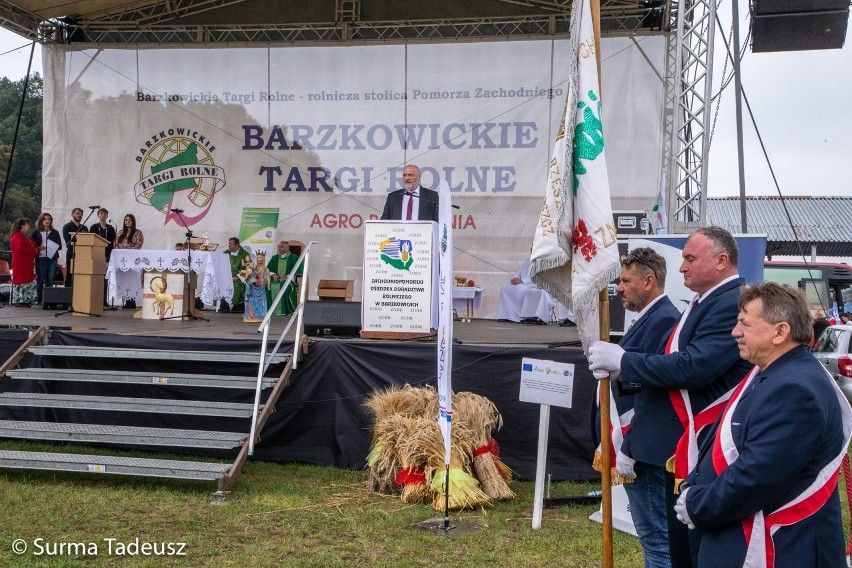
(412, 203)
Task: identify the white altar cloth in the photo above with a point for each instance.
(124, 279)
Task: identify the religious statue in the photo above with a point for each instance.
(256, 277)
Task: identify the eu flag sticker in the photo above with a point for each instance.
(527, 367)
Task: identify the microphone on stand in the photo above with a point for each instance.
(93, 207)
(176, 210)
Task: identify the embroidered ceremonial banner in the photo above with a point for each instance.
(575, 253)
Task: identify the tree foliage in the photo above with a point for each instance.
(23, 194)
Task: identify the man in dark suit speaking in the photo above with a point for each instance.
(413, 203)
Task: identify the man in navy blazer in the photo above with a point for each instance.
(641, 287)
(700, 363)
(766, 481)
(424, 202)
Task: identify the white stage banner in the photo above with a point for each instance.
(322, 134)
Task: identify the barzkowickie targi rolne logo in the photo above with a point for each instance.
(177, 170)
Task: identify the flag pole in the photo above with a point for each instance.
(606, 442)
(603, 304)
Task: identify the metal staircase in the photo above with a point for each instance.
(159, 404)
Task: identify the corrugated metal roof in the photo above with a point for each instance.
(824, 221)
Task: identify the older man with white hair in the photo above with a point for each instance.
(764, 491)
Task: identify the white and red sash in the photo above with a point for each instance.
(760, 528)
(618, 426)
(686, 452)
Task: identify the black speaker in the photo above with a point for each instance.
(327, 317)
(57, 298)
(799, 32)
(798, 25)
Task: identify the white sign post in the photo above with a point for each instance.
(546, 383)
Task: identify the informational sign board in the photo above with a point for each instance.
(399, 278)
(258, 228)
(547, 382)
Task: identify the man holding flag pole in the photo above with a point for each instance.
(575, 253)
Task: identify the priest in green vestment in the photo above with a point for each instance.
(236, 255)
(279, 267)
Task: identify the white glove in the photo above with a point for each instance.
(624, 466)
(605, 356)
(680, 509)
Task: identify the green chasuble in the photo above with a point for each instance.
(236, 266)
(282, 265)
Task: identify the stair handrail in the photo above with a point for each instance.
(265, 361)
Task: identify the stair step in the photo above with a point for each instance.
(94, 433)
(159, 354)
(139, 378)
(113, 465)
(127, 404)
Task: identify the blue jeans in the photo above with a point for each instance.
(45, 273)
(647, 496)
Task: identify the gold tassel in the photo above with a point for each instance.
(670, 467)
(615, 477)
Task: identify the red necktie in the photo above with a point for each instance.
(410, 206)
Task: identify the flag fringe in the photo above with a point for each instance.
(539, 265)
(587, 296)
(615, 477)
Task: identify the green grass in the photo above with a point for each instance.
(285, 515)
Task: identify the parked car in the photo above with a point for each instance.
(832, 350)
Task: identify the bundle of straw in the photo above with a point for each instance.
(383, 459)
(481, 417)
(412, 477)
(405, 401)
(383, 462)
(463, 487)
(408, 448)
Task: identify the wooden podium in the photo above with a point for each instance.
(89, 269)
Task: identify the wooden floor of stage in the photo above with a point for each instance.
(228, 325)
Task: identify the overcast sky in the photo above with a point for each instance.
(801, 102)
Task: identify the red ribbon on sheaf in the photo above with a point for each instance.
(492, 446)
(410, 476)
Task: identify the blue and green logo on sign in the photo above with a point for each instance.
(397, 253)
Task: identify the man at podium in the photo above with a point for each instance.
(412, 203)
(104, 230)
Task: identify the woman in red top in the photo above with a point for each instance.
(24, 252)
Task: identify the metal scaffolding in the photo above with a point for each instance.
(689, 75)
